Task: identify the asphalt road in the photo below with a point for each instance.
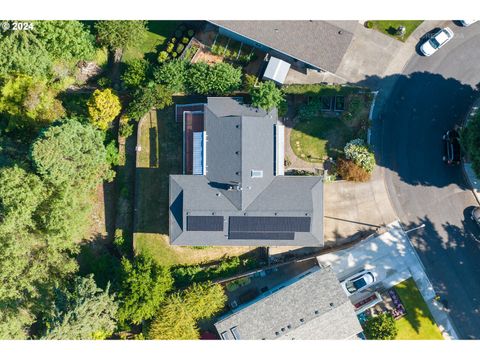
(433, 96)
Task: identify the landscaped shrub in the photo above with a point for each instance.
(368, 24)
(125, 129)
(173, 40)
(172, 74)
(267, 96)
(350, 171)
(135, 73)
(190, 33)
(162, 57)
(249, 81)
(216, 79)
(359, 153)
(319, 89)
(185, 40)
(170, 47)
(180, 48)
(381, 327)
(174, 54)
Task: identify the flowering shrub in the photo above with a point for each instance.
(359, 153)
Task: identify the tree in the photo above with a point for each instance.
(119, 34)
(103, 107)
(82, 312)
(178, 316)
(14, 323)
(267, 96)
(470, 140)
(70, 154)
(204, 299)
(381, 327)
(172, 74)
(358, 152)
(174, 321)
(146, 98)
(66, 40)
(217, 79)
(136, 73)
(142, 290)
(23, 53)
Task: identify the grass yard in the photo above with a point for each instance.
(161, 155)
(418, 323)
(389, 27)
(158, 34)
(320, 135)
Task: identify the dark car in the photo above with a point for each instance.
(476, 215)
(452, 147)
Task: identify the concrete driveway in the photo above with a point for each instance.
(352, 208)
(392, 259)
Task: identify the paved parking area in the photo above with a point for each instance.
(392, 259)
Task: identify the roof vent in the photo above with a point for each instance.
(283, 329)
(237, 152)
(277, 333)
(316, 312)
(331, 304)
(289, 326)
(302, 320)
(218, 194)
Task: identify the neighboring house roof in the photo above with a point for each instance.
(276, 70)
(321, 44)
(313, 306)
(240, 200)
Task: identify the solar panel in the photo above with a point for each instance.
(269, 224)
(237, 235)
(204, 223)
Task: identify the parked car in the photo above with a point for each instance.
(452, 147)
(358, 282)
(438, 40)
(476, 215)
(467, 22)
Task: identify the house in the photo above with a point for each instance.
(311, 306)
(233, 190)
(318, 45)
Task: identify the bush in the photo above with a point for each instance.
(112, 153)
(174, 54)
(172, 74)
(381, 327)
(185, 40)
(190, 33)
(267, 96)
(170, 47)
(104, 82)
(319, 89)
(216, 79)
(368, 24)
(103, 107)
(162, 57)
(249, 81)
(180, 48)
(135, 73)
(350, 171)
(470, 141)
(358, 152)
(173, 40)
(126, 129)
(146, 98)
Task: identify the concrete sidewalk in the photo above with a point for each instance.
(393, 259)
(472, 179)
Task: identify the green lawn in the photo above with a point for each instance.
(160, 156)
(389, 27)
(158, 34)
(318, 136)
(418, 323)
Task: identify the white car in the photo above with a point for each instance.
(436, 41)
(467, 22)
(357, 282)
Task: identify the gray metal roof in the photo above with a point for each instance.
(312, 306)
(319, 43)
(237, 142)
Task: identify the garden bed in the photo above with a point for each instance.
(324, 125)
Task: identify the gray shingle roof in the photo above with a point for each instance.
(313, 307)
(239, 141)
(319, 43)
